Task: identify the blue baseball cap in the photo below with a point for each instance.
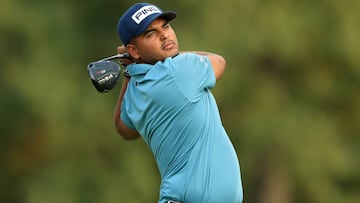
(137, 18)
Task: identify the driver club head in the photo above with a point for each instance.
(104, 74)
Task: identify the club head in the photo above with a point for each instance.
(104, 74)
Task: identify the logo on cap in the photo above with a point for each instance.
(144, 12)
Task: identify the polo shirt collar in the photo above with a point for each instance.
(139, 69)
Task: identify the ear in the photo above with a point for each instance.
(132, 50)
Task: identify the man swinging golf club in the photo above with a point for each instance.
(165, 99)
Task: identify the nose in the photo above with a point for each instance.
(164, 35)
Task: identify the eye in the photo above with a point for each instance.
(149, 34)
(167, 26)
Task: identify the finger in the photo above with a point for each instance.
(125, 61)
(121, 49)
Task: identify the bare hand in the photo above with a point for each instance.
(126, 61)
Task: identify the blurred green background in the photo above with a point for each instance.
(289, 99)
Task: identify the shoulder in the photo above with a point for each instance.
(190, 58)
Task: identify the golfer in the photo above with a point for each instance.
(165, 99)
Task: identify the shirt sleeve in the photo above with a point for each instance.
(193, 73)
(125, 117)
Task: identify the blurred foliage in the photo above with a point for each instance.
(289, 100)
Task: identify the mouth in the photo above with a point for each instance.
(168, 45)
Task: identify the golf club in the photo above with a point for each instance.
(105, 72)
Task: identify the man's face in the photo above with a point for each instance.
(156, 43)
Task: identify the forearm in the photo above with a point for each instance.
(119, 101)
(122, 129)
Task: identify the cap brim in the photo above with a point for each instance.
(168, 15)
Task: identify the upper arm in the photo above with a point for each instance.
(218, 63)
(126, 132)
(124, 125)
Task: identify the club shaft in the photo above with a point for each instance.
(125, 55)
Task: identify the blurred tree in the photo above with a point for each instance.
(22, 147)
(289, 99)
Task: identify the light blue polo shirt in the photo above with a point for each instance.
(171, 106)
